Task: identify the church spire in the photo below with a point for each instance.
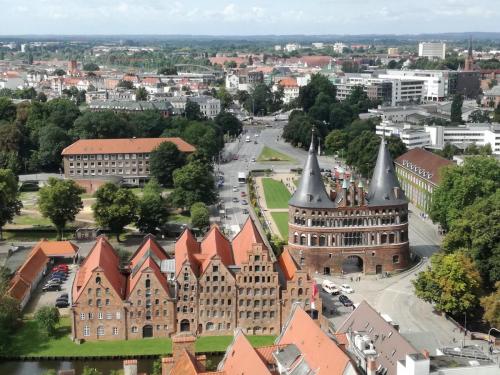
(384, 187)
(311, 192)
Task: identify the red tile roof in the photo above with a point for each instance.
(185, 247)
(186, 364)
(123, 146)
(428, 161)
(288, 82)
(243, 241)
(242, 359)
(58, 248)
(33, 265)
(287, 264)
(215, 243)
(319, 351)
(18, 288)
(149, 243)
(102, 257)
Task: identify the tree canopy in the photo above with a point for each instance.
(451, 283)
(200, 217)
(152, 211)
(115, 207)
(47, 318)
(164, 160)
(461, 185)
(10, 205)
(60, 201)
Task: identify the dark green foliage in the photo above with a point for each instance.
(229, 123)
(193, 183)
(101, 125)
(168, 70)
(47, 318)
(152, 212)
(200, 217)
(114, 207)
(479, 116)
(7, 109)
(456, 109)
(10, 205)
(192, 111)
(60, 201)
(90, 67)
(129, 85)
(164, 160)
(141, 94)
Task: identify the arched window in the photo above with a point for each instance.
(395, 259)
(98, 280)
(148, 283)
(322, 240)
(300, 292)
(295, 237)
(184, 309)
(302, 239)
(299, 283)
(314, 240)
(210, 326)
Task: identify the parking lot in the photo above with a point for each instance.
(40, 298)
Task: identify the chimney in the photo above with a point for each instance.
(130, 367)
(371, 366)
(180, 342)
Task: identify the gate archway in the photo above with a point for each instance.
(352, 264)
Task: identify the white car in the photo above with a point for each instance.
(235, 188)
(346, 288)
(330, 288)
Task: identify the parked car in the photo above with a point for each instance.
(344, 300)
(255, 142)
(330, 288)
(245, 211)
(235, 188)
(51, 287)
(235, 200)
(243, 194)
(64, 295)
(244, 202)
(61, 304)
(60, 268)
(253, 160)
(59, 275)
(346, 288)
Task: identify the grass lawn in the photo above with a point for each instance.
(276, 193)
(28, 341)
(31, 219)
(29, 236)
(281, 221)
(269, 154)
(179, 219)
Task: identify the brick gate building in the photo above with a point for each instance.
(349, 225)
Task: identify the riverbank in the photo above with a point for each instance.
(29, 343)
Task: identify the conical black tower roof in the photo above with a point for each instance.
(311, 192)
(384, 187)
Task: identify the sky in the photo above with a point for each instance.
(249, 17)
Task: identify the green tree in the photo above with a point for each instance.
(103, 125)
(147, 124)
(231, 64)
(47, 318)
(496, 114)
(491, 306)
(193, 183)
(60, 201)
(152, 211)
(157, 369)
(141, 94)
(336, 141)
(114, 208)
(168, 70)
(318, 84)
(200, 217)
(164, 160)
(51, 143)
(7, 109)
(456, 109)
(229, 123)
(192, 111)
(59, 72)
(479, 116)
(10, 316)
(461, 185)
(90, 67)
(225, 98)
(451, 283)
(10, 205)
(477, 231)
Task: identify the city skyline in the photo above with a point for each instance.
(255, 17)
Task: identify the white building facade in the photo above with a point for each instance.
(432, 50)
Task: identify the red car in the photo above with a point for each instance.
(243, 194)
(61, 268)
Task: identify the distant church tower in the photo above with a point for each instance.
(469, 60)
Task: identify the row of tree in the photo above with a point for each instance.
(466, 272)
(32, 135)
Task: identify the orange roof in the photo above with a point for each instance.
(150, 80)
(186, 365)
(130, 77)
(341, 338)
(288, 82)
(149, 243)
(149, 263)
(222, 59)
(58, 248)
(242, 359)
(266, 352)
(316, 61)
(317, 348)
(18, 288)
(123, 146)
(243, 241)
(33, 265)
(215, 243)
(184, 249)
(288, 265)
(102, 257)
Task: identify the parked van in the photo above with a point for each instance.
(329, 287)
(247, 138)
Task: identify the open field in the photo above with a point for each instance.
(276, 193)
(28, 341)
(269, 154)
(281, 221)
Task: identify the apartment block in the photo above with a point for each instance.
(432, 50)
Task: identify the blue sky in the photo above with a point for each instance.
(250, 17)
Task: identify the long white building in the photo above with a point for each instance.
(432, 50)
